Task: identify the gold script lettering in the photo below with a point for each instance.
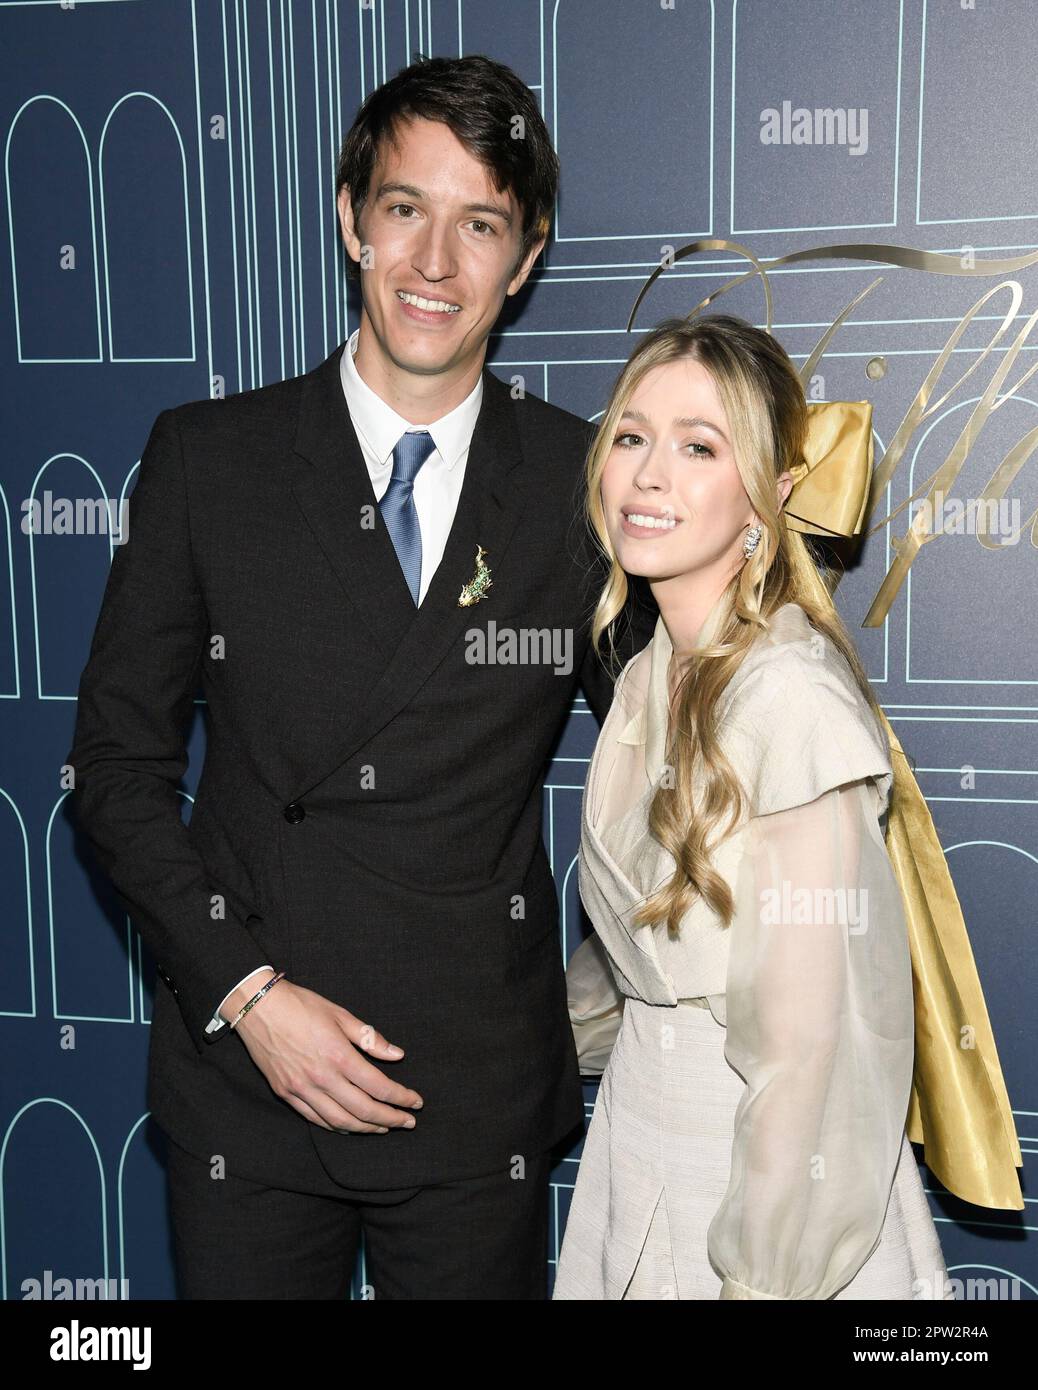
(930, 262)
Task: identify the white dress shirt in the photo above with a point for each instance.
(438, 484)
(436, 488)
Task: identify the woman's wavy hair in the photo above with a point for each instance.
(767, 413)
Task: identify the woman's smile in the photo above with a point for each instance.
(642, 522)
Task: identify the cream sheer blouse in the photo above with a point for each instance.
(812, 979)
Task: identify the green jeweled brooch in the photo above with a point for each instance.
(478, 585)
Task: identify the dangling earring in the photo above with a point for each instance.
(751, 541)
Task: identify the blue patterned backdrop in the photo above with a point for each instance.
(169, 189)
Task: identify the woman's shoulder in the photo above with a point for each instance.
(792, 660)
(796, 720)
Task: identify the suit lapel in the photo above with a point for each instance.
(332, 485)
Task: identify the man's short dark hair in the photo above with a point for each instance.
(480, 101)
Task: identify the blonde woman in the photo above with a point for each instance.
(748, 1139)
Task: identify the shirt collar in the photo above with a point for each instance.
(381, 426)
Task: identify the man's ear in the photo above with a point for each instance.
(347, 224)
(518, 280)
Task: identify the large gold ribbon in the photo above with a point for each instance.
(831, 485)
(959, 1110)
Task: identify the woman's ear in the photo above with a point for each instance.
(785, 487)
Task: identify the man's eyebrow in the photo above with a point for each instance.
(407, 189)
(495, 210)
(685, 421)
(410, 191)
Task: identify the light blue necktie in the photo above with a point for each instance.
(398, 508)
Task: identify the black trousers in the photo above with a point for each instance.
(475, 1238)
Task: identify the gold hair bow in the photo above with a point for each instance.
(959, 1110)
(831, 485)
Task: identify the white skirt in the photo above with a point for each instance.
(652, 1176)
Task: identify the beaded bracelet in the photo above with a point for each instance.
(256, 998)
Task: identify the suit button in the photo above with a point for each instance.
(294, 813)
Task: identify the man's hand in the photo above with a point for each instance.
(306, 1047)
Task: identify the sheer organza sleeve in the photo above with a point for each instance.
(820, 1027)
(595, 1005)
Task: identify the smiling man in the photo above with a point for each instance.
(362, 1025)
(442, 248)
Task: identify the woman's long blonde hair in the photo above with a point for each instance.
(767, 414)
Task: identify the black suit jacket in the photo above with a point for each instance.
(369, 808)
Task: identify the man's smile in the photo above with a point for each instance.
(427, 306)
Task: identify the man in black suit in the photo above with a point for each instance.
(368, 818)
